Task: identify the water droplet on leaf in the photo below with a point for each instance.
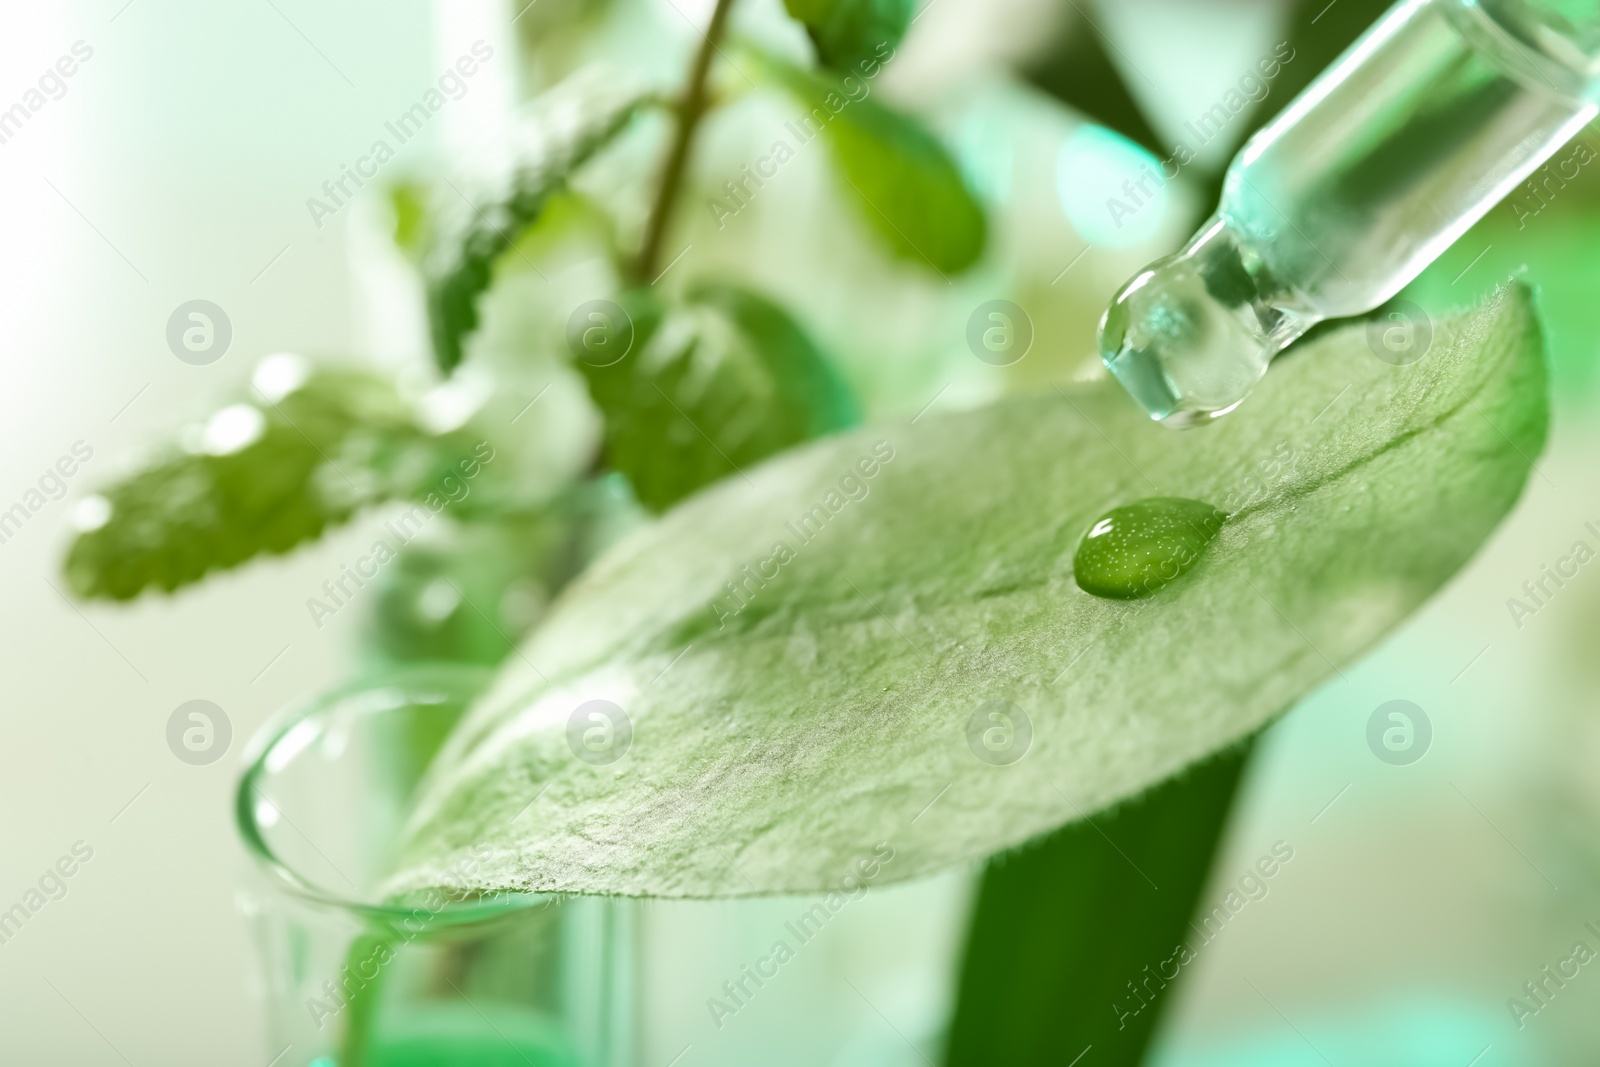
(1136, 550)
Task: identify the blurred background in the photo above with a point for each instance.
(176, 165)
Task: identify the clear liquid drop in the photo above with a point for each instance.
(1138, 549)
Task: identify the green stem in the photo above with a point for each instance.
(362, 1003)
(690, 110)
(1069, 934)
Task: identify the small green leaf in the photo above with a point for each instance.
(908, 187)
(809, 659)
(710, 387)
(408, 204)
(566, 127)
(850, 33)
(260, 477)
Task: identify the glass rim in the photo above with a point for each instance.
(462, 678)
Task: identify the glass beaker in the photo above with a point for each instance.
(529, 980)
(354, 982)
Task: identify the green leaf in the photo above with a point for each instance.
(469, 596)
(710, 387)
(1077, 70)
(260, 477)
(849, 33)
(408, 206)
(1062, 925)
(565, 128)
(907, 186)
(779, 737)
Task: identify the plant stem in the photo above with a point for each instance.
(1069, 934)
(690, 110)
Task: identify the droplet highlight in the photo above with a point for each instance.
(1138, 549)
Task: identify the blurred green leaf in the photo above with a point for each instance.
(1063, 924)
(906, 184)
(466, 598)
(1550, 245)
(849, 33)
(469, 596)
(709, 387)
(261, 476)
(563, 130)
(1077, 70)
(1319, 32)
(809, 653)
(558, 37)
(408, 204)
(571, 228)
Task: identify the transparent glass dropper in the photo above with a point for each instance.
(1425, 123)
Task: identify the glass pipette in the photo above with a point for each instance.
(1435, 114)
